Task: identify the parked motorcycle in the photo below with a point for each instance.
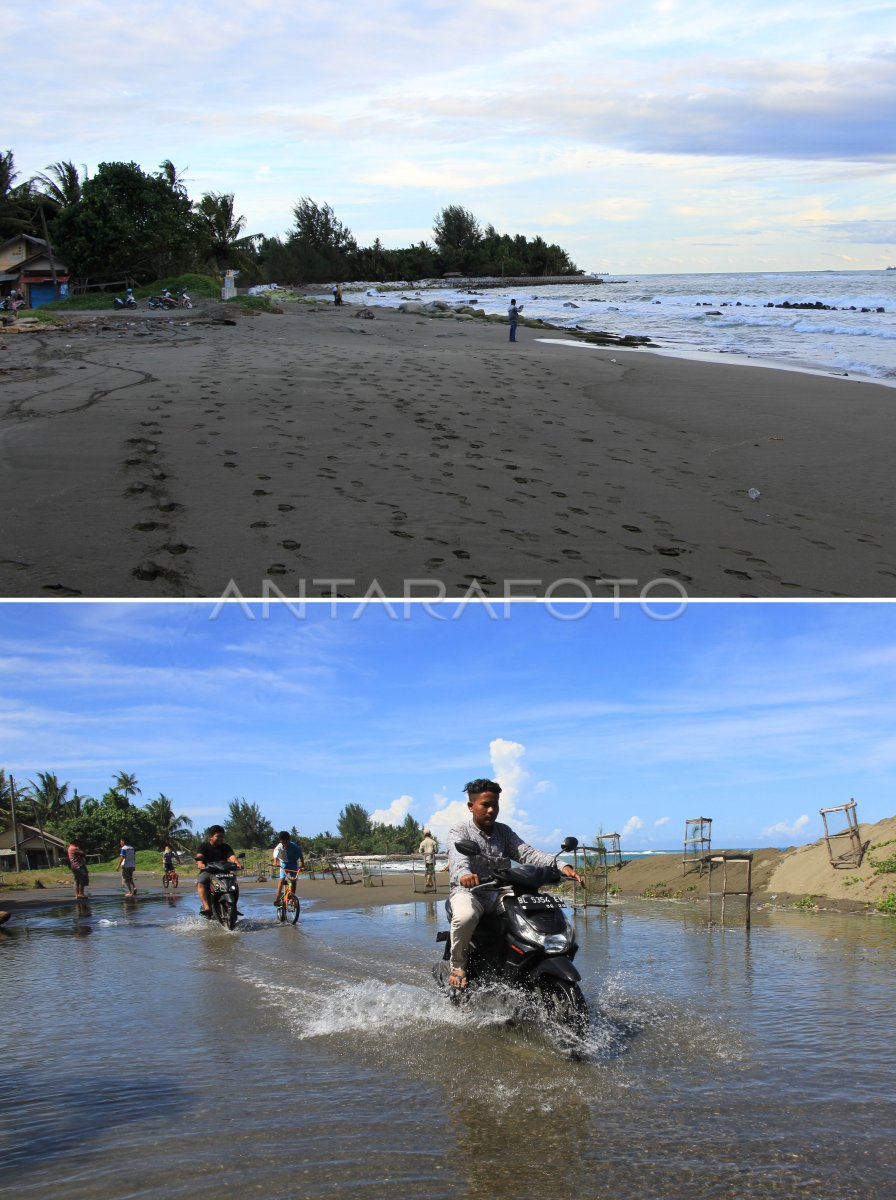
(166, 300)
(529, 946)
(126, 301)
(185, 301)
(224, 892)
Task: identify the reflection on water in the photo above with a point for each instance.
(160, 1054)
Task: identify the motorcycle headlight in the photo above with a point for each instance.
(555, 943)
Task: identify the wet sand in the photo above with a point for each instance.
(150, 456)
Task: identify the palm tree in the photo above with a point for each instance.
(15, 207)
(174, 178)
(48, 798)
(61, 184)
(166, 826)
(223, 231)
(125, 786)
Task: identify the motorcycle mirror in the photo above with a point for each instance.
(569, 844)
(466, 848)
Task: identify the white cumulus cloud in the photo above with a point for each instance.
(790, 830)
(395, 813)
(632, 825)
(661, 821)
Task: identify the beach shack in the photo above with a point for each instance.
(37, 850)
(28, 264)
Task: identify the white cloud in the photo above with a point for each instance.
(791, 830)
(632, 825)
(661, 821)
(394, 814)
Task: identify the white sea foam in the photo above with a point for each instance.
(674, 312)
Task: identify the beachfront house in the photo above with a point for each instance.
(28, 265)
(36, 850)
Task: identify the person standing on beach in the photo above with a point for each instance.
(428, 849)
(513, 314)
(77, 860)
(127, 864)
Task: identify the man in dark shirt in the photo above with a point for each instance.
(215, 850)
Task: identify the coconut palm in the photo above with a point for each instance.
(223, 232)
(174, 178)
(60, 184)
(125, 786)
(48, 798)
(16, 210)
(166, 825)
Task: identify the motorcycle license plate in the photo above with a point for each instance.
(532, 903)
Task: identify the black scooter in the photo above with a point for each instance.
(530, 945)
(225, 892)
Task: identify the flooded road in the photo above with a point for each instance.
(149, 1053)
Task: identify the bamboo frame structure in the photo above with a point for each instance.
(852, 856)
(697, 842)
(600, 874)
(723, 858)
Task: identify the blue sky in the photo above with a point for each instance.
(673, 135)
(756, 715)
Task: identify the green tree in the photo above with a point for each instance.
(457, 236)
(222, 232)
(125, 786)
(60, 185)
(355, 829)
(127, 223)
(166, 825)
(48, 798)
(16, 207)
(247, 828)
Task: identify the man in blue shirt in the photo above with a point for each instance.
(288, 854)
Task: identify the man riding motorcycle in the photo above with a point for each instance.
(495, 840)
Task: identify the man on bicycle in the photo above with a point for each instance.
(215, 850)
(288, 854)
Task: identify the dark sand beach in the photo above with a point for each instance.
(150, 456)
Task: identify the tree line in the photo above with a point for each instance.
(125, 223)
(58, 808)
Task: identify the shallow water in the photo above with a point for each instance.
(721, 314)
(148, 1052)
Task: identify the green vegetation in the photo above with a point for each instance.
(806, 902)
(887, 904)
(58, 808)
(122, 222)
(883, 866)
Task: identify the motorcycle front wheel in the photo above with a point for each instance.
(225, 911)
(564, 1004)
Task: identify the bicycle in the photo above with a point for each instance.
(288, 907)
(170, 878)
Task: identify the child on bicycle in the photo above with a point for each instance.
(288, 854)
(169, 856)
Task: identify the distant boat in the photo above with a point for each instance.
(891, 268)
